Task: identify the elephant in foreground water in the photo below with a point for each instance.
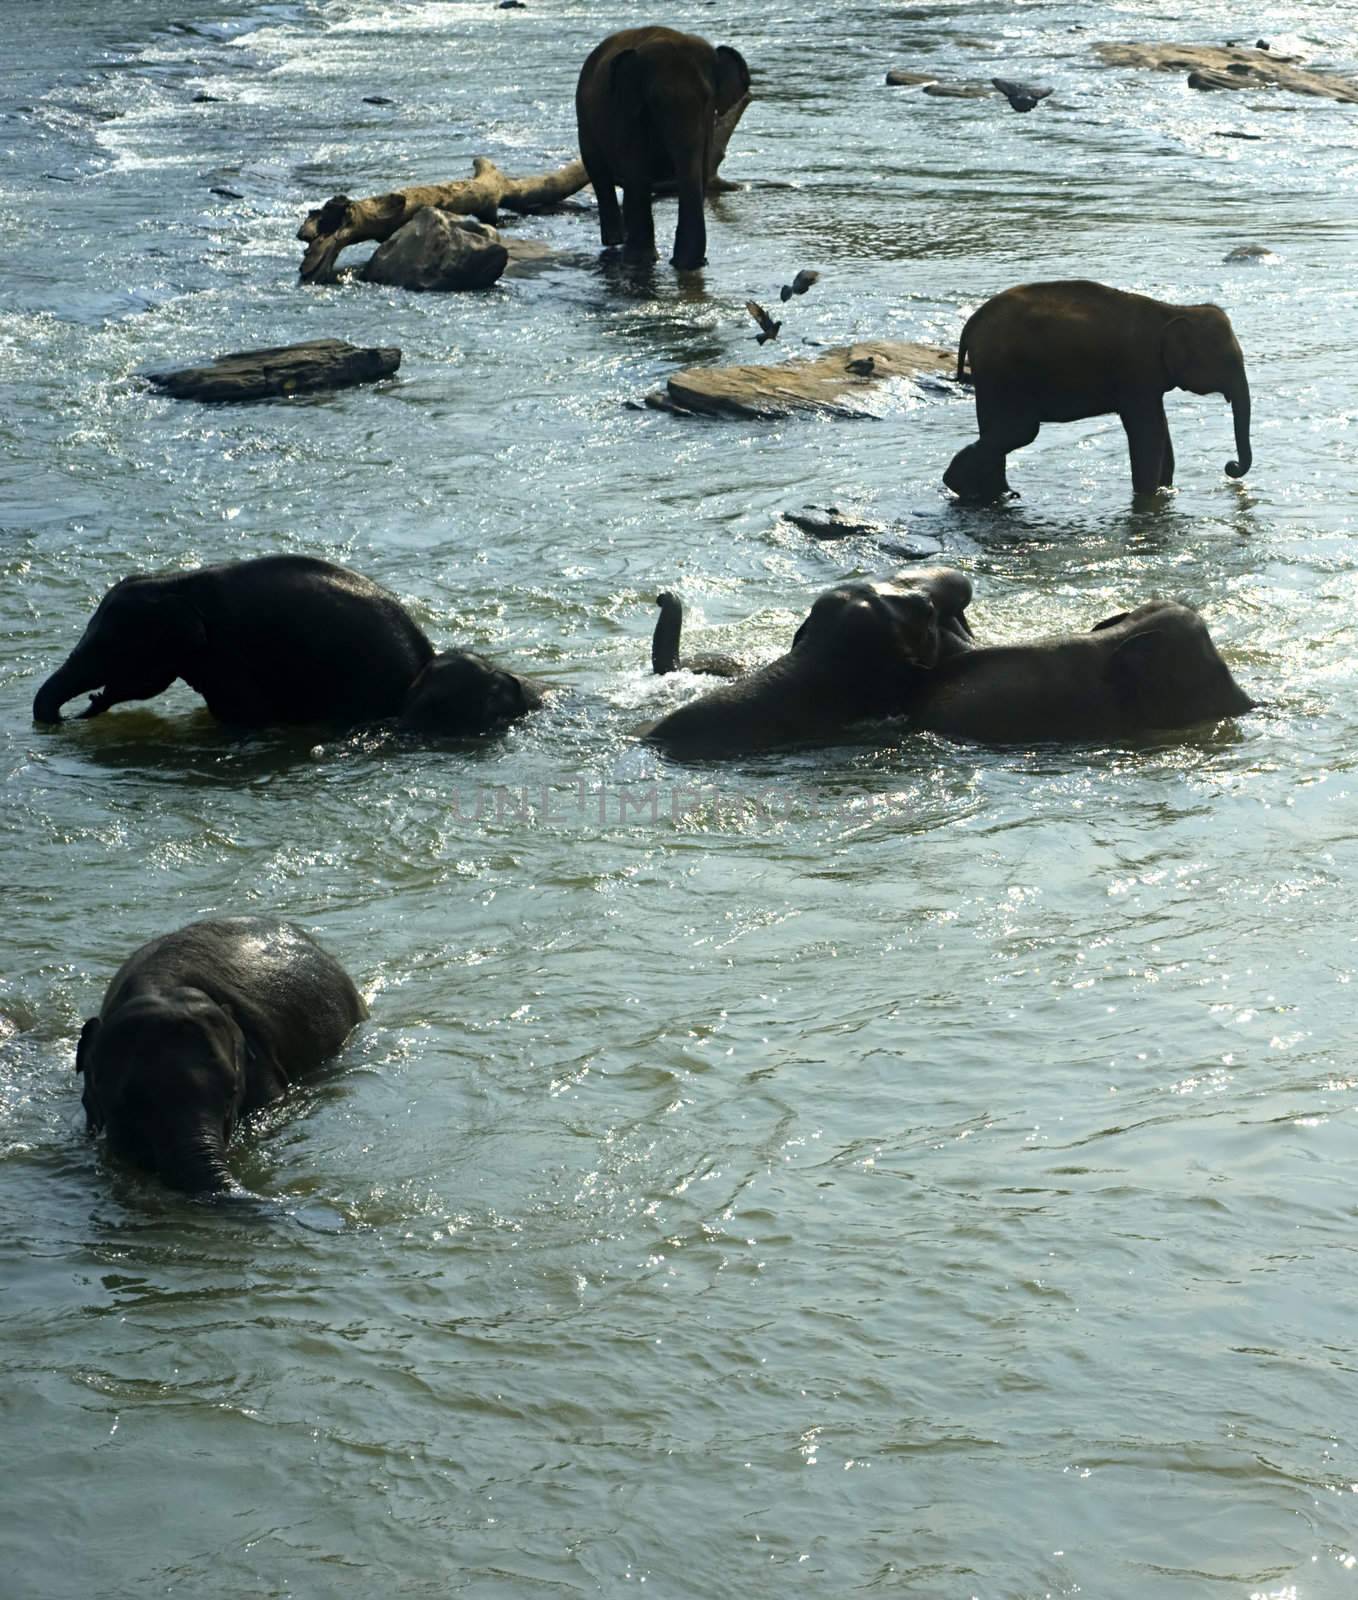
(903, 648)
(199, 1028)
(855, 657)
(277, 640)
(646, 106)
(1056, 352)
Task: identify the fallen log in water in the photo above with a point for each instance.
(281, 370)
(341, 222)
(833, 383)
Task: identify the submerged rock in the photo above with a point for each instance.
(832, 384)
(438, 251)
(281, 370)
(1252, 252)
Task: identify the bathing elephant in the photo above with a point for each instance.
(1055, 352)
(199, 1028)
(460, 693)
(277, 639)
(1152, 668)
(645, 106)
(857, 656)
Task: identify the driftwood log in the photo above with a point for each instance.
(341, 221)
(282, 370)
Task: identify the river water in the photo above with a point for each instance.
(905, 1167)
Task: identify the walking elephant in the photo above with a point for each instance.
(278, 639)
(199, 1028)
(856, 657)
(1055, 352)
(645, 106)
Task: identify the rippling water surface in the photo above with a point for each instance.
(906, 1167)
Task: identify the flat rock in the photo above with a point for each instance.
(437, 251)
(834, 383)
(1231, 67)
(959, 91)
(283, 370)
(900, 78)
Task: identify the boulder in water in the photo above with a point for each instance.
(438, 251)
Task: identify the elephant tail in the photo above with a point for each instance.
(962, 375)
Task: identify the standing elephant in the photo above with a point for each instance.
(1055, 352)
(1154, 667)
(857, 656)
(646, 105)
(199, 1028)
(278, 639)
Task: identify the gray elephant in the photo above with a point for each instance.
(199, 1028)
(1055, 352)
(903, 649)
(1152, 668)
(856, 657)
(278, 640)
(646, 106)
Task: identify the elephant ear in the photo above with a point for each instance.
(1178, 347)
(733, 77)
(1135, 669)
(83, 1050)
(182, 626)
(627, 79)
(1111, 622)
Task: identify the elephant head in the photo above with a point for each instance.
(1165, 670)
(858, 655)
(1200, 353)
(459, 693)
(165, 1078)
(143, 636)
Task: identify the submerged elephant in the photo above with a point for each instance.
(646, 106)
(665, 641)
(1154, 667)
(199, 1028)
(1056, 352)
(876, 650)
(856, 657)
(278, 639)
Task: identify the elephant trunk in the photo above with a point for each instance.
(73, 677)
(1240, 407)
(668, 630)
(196, 1164)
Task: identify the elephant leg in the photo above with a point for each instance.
(1147, 436)
(605, 192)
(1167, 462)
(638, 222)
(1001, 432)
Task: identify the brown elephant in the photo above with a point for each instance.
(646, 105)
(1055, 352)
